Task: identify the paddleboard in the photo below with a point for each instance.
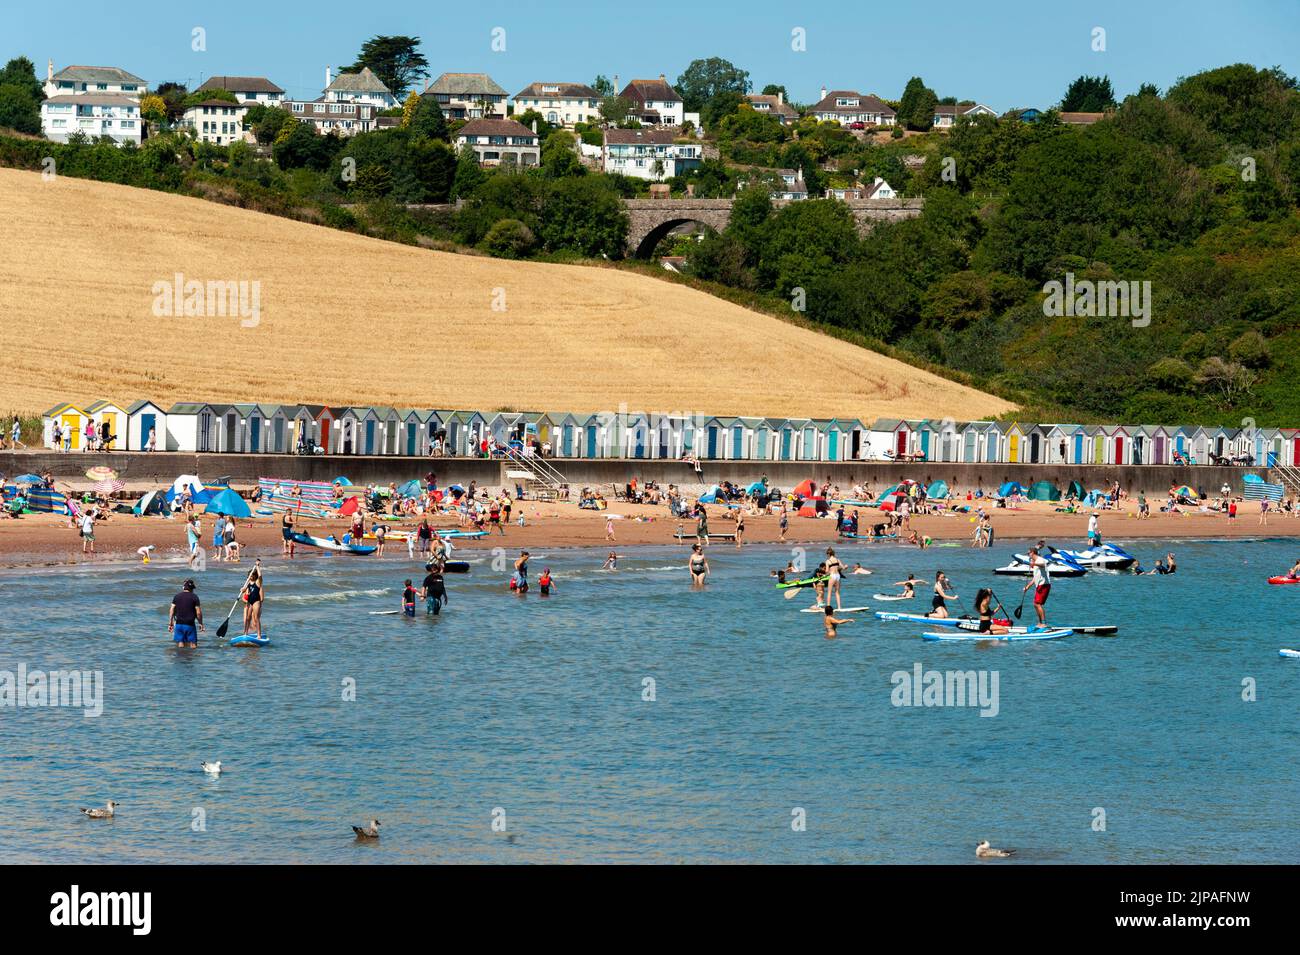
(822, 610)
(326, 544)
(1284, 580)
(1294, 654)
(892, 597)
(807, 582)
(462, 534)
(950, 635)
(250, 640)
(1089, 631)
(384, 613)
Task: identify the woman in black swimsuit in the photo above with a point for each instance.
(253, 594)
(983, 606)
(286, 531)
(937, 606)
(699, 566)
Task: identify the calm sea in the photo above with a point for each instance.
(629, 719)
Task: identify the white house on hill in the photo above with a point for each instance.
(363, 87)
(649, 153)
(247, 89)
(216, 121)
(561, 104)
(74, 80)
(468, 96)
(497, 141)
(94, 114)
(655, 102)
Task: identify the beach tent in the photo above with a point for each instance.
(229, 503)
(150, 503)
(1044, 491)
(758, 487)
(344, 481)
(937, 491)
(1010, 489)
(187, 480)
(805, 488)
(1075, 490)
(1094, 498)
(711, 495)
(349, 506)
(43, 500)
(412, 488)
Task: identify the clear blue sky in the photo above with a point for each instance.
(1010, 53)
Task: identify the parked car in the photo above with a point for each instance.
(857, 125)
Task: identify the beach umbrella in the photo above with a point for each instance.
(230, 503)
(1184, 491)
(101, 473)
(27, 479)
(107, 487)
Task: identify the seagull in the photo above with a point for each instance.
(102, 813)
(985, 851)
(212, 769)
(368, 832)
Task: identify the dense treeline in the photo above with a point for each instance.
(1195, 192)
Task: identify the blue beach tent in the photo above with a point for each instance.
(711, 495)
(229, 503)
(1010, 488)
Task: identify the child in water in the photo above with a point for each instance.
(408, 599)
(611, 562)
(546, 582)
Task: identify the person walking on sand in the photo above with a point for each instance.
(185, 618)
(784, 521)
(740, 529)
(193, 537)
(17, 432)
(1263, 511)
(832, 622)
(88, 531)
(609, 527)
(698, 566)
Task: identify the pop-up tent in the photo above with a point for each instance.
(1075, 490)
(1010, 489)
(805, 489)
(411, 488)
(758, 487)
(149, 503)
(1044, 491)
(229, 503)
(711, 495)
(1094, 498)
(937, 491)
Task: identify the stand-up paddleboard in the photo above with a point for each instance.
(806, 582)
(953, 635)
(1293, 654)
(325, 543)
(972, 624)
(712, 537)
(384, 613)
(455, 567)
(250, 640)
(869, 537)
(461, 535)
(1284, 580)
(1087, 631)
(893, 597)
(822, 610)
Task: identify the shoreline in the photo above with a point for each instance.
(45, 540)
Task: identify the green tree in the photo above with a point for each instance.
(719, 107)
(772, 89)
(584, 215)
(1254, 108)
(705, 79)
(396, 60)
(560, 157)
(19, 109)
(603, 86)
(203, 96)
(427, 119)
(614, 109)
(469, 174)
(266, 122)
(21, 72)
(299, 146)
(173, 95)
(1088, 94)
(508, 239)
(916, 108)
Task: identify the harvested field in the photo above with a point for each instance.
(347, 320)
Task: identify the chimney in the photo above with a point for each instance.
(534, 127)
(616, 89)
(661, 78)
(823, 92)
(328, 78)
(49, 71)
(780, 97)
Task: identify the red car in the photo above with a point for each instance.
(857, 125)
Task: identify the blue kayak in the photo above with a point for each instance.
(975, 635)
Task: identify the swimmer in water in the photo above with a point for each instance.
(611, 562)
(698, 566)
(908, 585)
(546, 582)
(859, 569)
(832, 623)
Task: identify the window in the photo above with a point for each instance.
(297, 107)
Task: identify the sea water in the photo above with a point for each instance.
(628, 718)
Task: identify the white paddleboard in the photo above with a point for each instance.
(892, 597)
(1289, 653)
(384, 613)
(822, 610)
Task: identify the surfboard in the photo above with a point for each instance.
(953, 635)
(250, 640)
(384, 613)
(822, 610)
(892, 597)
(1293, 654)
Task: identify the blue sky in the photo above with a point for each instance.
(1010, 53)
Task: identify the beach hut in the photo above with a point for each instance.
(347, 428)
(191, 426)
(563, 434)
(1094, 444)
(901, 442)
(1036, 438)
(925, 439)
(637, 438)
(1159, 444)
(365, 435)
(1118, 444)
(994, 442)
(1219, 442)
(1017, 446)
(1058, 444)
(948, 442)
(881, 441)
(106, 411)
(301, 423)
(71, 419)
(1290, 448)
(141, 418)
(808, 440)
(390, 430)
(971, 438)
(1199, 445)
(786, 439)
(412, 437)
(502, 426)
(274, 429)
(327, 430)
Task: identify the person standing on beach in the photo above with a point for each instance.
(609, 527)
(184, 616)
(784, 522)
(740, 529)
(702, 528)
(88, 531)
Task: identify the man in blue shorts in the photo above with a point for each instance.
(185, 621)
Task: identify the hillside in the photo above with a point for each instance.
(349, 320)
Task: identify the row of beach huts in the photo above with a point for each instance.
(285, 429)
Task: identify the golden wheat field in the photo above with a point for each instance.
(347, 320)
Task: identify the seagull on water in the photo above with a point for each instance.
(106, 813)
(367, 832)
(985, 851)
(212, 769)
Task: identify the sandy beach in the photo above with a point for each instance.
(48, 540)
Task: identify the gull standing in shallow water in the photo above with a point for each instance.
(212, 769)
(106, 813)
(368, 832)
(985, 851)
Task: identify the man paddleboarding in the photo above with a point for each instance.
(1041, 581)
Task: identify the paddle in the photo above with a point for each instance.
(225, 624)
(1021, 609)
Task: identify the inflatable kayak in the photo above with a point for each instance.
(806, 582)
(250, 640)
(1293, 654)
(1027, 635)
(325, 543)
(1284, 580)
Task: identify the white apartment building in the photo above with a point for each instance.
(561, 104)
(216, 121)
(649, 153)
(247, 89)
(94, 114)
(74, 80)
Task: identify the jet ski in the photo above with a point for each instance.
(1101, 557)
